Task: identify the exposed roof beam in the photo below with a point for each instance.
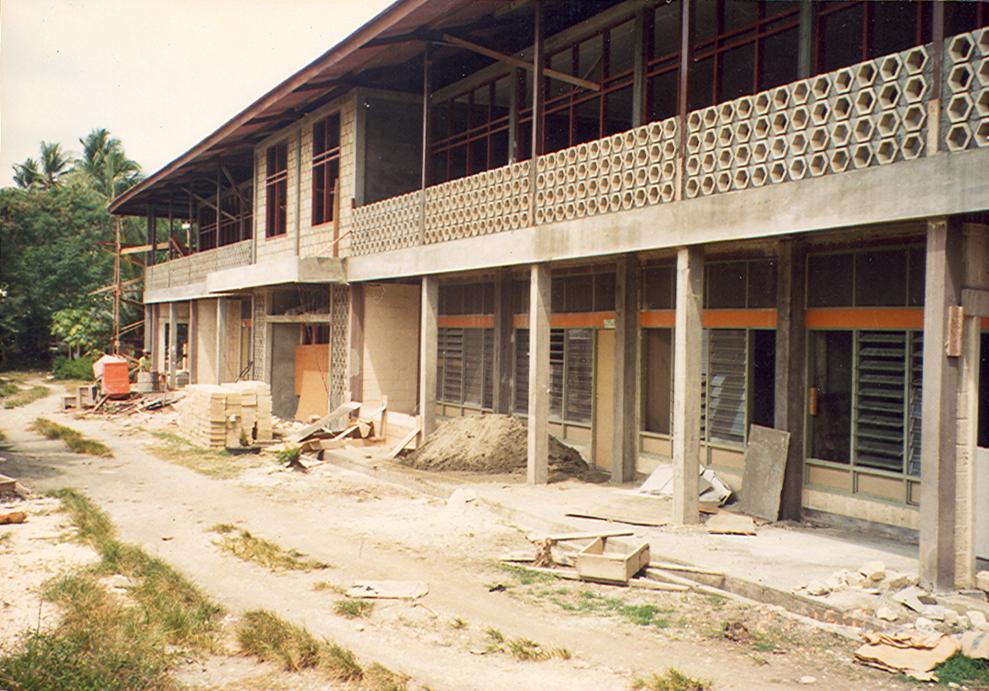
(207, 202)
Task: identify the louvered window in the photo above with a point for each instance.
(571, 374)
(464, 363)
(725, 403)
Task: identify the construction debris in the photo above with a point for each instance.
(713, 490)
(634, 510)
(762, 480)
(226, 415)
(975, 644)
(725, 523)
(393, 590)
(910, 652)
(488, 444)
(609, 562)
(12, 518)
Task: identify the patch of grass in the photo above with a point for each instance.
(7, 388)
(526, 576)
(671, 680)
(587, 602)
(289, 456)
(6, 538)
(102, 642)
(320, 586)
(3, 435)
(965, 672)
(220, 465)
(354, 609)
(340, 663)
(270, 638)
(524, 650)
(72, 438)
(25, 396)
(458, 623)
(243, 545)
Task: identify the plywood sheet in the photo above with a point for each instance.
(310, 358)
(313, 399)
(762, 479)
(604, 403)
(634, 510)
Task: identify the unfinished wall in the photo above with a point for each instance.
(391, 345)
(230, 364)
(284, 338)
(205, 341)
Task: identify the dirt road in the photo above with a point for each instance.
(366, 530)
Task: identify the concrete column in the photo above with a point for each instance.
(538, 102)
(193, 340)
(148, 328)
(625, 437)
(687, 384)
(173, 344)
(428, 342)
(501, 375)
(540, 287)
(221, 312)
(791, 371)
(941, 381)
(805, 40)
(639, 71)
(356, 342)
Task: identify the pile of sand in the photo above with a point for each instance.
(487, 444)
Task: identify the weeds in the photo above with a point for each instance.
(340, 663)
(320, 586)
(965, 672)
(3, 435)
(354, 609)
(458, 623)
(20, 397)
(522, 649)
(527, 576)
(245, 546)
(588, 602)
(7, 388)
(73, 439)
(220, 465)
(270, 638)
(671, 680)
(101, 642)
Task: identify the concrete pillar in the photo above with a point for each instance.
(357, 342)
(148, 328)
(502, 361)
(173, 345)
(805, 39)
(625, 437)
(221, 313)
(193, 340)
(428, 340)
(791, 371)
(687, 384)
(940, 408)
(540, 287)
(639, 71)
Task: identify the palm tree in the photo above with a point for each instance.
(26, 174)
(54, 163)
(105, 163)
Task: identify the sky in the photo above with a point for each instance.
(159, 74)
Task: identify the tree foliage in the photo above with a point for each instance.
(51, 227)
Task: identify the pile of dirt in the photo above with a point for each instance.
(488, 444)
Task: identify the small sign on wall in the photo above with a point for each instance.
(609, 323)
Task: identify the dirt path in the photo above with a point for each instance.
(373, 531)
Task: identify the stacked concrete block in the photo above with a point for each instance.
(870, 114)
(387, 225)
(221, 416)
(965, 92)
(493, 201)
(628, 170)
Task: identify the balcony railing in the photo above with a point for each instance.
(875, 113)
(195, 267)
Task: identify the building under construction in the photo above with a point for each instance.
(642, 226)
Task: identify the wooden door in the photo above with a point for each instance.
(604, 401)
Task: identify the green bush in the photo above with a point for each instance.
(79, 368)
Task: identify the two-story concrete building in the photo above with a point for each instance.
(641, 225)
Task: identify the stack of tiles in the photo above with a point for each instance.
(226, 415)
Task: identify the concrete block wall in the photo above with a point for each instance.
(391, 345)
(205, 341)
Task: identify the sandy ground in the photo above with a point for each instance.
(366, 529)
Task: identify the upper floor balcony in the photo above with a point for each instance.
(887, 112)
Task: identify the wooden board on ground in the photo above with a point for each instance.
(644, 510)
(564, 537)
(725, 523)
(393, 590)
(762, 479)
(342, 411)
(403, 442)
(8, 485)
(602, 561)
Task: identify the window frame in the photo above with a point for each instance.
(276, 190)
(324, 165)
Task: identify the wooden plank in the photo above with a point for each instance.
(724, 523)
(762, 477)
(340, 411)
(566, 537)
(686, 568)
(403, 442)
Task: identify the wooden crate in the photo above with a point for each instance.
(611, 563)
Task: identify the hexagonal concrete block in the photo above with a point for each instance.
(798, 143)
(912, 146)
(669, 148)
(759, 175)
(692, 188)
(760, 152)
(761, 127)
(914, 117)
(862, 156)
(743, 107)
(821, 87)
(982, 133)
(724, 181)
(820, 112)
(669, 170)
(982, 102)
(708, 162)
(694, 121)
(725, 158)
(982, 72)
(889, 67)
(889, 96)
(668, 191)
(741, 179)
(710, 116)
(865, 101)
(888, 123)
(798, 168)
(958, 137)
(915, 89)
(777, 172)
(863, 129)
(886, 151)
(960, 78)
(865, 73)
(709, 139)
(843, 79)
(818, 164)
(781, 98)
(780, 123)
(799, 118)
(819, 138)
(982, 39)
(960, 47)
(839, 160)
(743, 131)
(779, 147)
(742, 154)
(726, 112)
(915, 60)
(725, 135)
(959, 107)
(842, 107)
(800, 92)
(762, 102)
(708, 184)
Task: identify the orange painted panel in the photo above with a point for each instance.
(450, 321)
(861, 318)
(568, 320)
(657, 318)
(740, 319)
